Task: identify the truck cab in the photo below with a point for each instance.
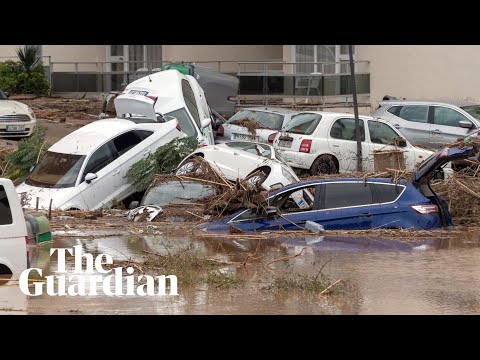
(13, 231)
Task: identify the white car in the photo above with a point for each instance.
(13, 231)
(324, 142)
(235, 163)
(86, 169)
(165, 96)
(272, 120)
(16, 118)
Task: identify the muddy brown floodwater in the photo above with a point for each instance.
(434, 276)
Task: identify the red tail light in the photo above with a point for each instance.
(425, 209)
(220, 131)
(271, 137)
(202, 145)
(305, 146)
(151, 97)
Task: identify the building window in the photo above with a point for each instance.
(322, 59)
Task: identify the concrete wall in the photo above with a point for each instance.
(436, 72)
(222, 52)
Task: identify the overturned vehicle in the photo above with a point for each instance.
(353, 203)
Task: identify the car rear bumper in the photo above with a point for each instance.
(297, 159)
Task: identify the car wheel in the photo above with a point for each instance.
(324, 165)
(257, 178)
(189, 167)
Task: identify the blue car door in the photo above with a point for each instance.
(348, 205)
(294, 208)
(387, 195)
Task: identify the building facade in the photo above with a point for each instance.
(436, 72)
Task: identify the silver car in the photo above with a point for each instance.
(428, 123)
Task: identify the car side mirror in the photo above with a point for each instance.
(134, 204)
(205, 122)
(271, 210)
(90, 177)
(402, 142)
(465, 124)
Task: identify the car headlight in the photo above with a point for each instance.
(30, 112)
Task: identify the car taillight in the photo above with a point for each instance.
(202, 145)
(271, 137)
(220, 130)
(305, 146)
(425, 209)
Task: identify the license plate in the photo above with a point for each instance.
(243, 137)
(15, 128)
(285, 143)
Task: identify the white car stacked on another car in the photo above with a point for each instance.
(270, 120)
(324, 142)
(16, 118)
(86, 169)
(260, 168)
(169, 95)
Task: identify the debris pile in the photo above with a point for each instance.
(59, 109)
(251, 125)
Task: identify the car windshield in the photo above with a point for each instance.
(267, 120)
(304, 124)
(2, 95)
(185, 122)
(176, 192)
(473, 110)
(56, 170)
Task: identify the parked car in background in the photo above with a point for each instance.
(270, 120)
(13, 231)
(16, 118)
(428, 123)
(324, 142)
(86, 169)
(165, 96)
(235, 163)
(353, 203)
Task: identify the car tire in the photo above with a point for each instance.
(257, 178)
(190, 166)
(323, 165)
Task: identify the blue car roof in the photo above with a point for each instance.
(312, 182)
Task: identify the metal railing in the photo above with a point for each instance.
(316, 80)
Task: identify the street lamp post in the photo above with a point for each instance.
(355, 110)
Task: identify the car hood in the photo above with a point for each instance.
(135, 104)
(8, 107)
(59, 196)
(440, 158)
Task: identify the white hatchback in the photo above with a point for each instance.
(86, 169)
(324, 142)
(256, 163)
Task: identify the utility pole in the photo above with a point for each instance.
(355, 110)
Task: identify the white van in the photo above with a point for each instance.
(168, 95)
(13, 231)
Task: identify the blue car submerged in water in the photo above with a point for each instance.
(354, 203)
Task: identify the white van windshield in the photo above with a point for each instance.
(56, 170)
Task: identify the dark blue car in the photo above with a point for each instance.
(354, 203)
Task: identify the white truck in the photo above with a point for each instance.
(13, 232)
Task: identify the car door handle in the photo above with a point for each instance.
(397, 126)
(235, 153)
(436, 131)
(116, 172)
(365, 214)
(336, 145)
